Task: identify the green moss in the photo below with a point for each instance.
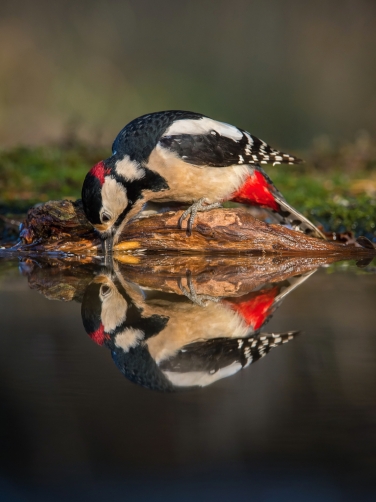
(328, 198)
(334, 188)
(30, 175)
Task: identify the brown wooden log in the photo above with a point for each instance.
(223, 231)
(61, 226)
(58, 226)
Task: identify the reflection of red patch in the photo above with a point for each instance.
(99, 336)
(256, 190)
(257, 307)
(100, 171)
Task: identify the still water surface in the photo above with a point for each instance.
(166, 400)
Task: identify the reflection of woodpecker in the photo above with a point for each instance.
(184, 157)
(162, 341)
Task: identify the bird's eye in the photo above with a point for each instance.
(105, 217)
(105, 290)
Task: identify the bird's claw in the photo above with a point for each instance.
(200, 205)
(201, 300)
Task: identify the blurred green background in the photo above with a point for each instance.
(300, 75)
(286, 70)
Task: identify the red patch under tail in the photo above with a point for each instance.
(256, 191)
(99, 171)
(256, 307)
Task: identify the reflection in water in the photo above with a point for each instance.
(303, 418)
(169, 338)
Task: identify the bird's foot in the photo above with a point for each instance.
(199, 206)
(201, 300)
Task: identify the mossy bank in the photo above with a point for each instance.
(336, 187)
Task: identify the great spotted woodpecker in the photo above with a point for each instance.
(183, 157)
(164, 342)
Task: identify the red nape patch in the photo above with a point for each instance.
(100, 171)
(256, 191)
(256, 307)
(99, 336)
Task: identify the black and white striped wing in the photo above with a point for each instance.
(202, 363)
(208, 142)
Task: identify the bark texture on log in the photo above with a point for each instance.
(61, 226)
(58, 226)
(223, 231)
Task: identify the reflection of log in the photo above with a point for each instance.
(211, 275)
(215, 275)
(58, 280)
(61, 226)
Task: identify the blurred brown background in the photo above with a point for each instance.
(288, 71)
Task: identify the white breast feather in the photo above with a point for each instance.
(188, 182)
(189, 324)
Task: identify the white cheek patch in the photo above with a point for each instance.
(114, 310)
(114, 198)
(203, 126)
(129, 169)
(129, 338)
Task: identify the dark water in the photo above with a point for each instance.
(297, 424)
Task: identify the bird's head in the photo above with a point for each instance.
(112, 320)
(104, 308)
(105, 201)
